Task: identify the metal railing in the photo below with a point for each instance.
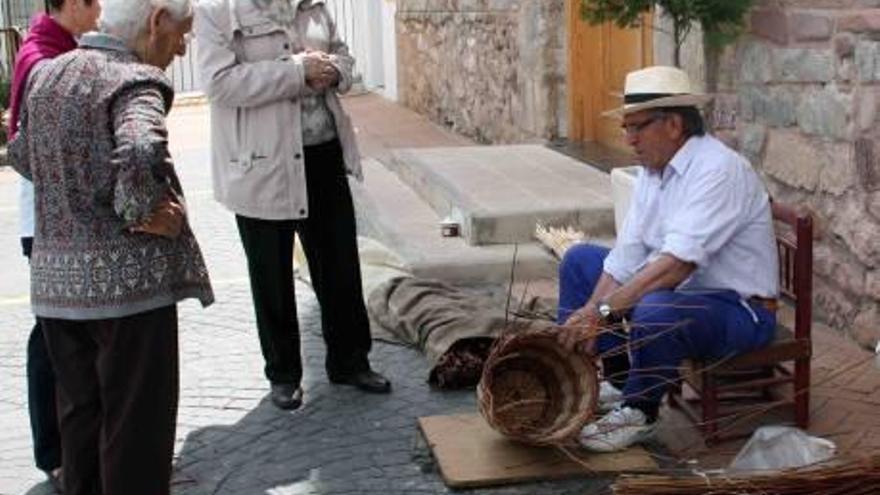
(15, 16)
(183, 72)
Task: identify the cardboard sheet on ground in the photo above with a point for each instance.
(471, 454)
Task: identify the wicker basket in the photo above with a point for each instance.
(535, 392)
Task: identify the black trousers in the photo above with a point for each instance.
(117, 399)
(329, 240)
(41, 394)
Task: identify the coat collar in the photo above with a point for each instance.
(104, 41)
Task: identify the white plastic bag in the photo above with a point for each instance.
(781, 447)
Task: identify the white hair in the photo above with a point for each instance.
(127, 19)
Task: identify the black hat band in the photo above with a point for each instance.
(631, 99)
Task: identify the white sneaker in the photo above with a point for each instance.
(610, 397)
(616, 431)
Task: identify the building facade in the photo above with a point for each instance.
(798, 94)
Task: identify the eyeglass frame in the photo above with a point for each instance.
(634, 129)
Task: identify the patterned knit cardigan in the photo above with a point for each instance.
(93, 141)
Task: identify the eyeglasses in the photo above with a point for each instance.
(630, 130)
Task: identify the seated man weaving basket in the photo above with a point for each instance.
(693, 272)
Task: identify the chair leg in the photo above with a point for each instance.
(768, 372)
(802, 393)
(709, 403)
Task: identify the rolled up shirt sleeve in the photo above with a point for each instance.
(144, 170)
(706, 218)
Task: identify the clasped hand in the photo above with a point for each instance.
(321, 74)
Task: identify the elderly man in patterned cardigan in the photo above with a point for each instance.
(113, 252)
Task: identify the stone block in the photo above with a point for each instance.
(727, 70)
(838, 266)
(872, 203)
(844, 45)
(810, 26)
(867, 57)
(838, 174)
(831, 304)
(866, 102)
(752, 138)
(872, 285)
(866, 326)
(792, 159)
(728, 137)
(724, 111)
(776, 107)
(866, 164)
(771, 24)
(826, 113)
(859, 234)
(755, 64)
(860, 21)
(846, 70)
(804, 65)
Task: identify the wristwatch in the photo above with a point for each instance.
(606, 312)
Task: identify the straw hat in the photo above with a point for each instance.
(658, 87)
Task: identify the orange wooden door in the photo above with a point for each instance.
(599, 59)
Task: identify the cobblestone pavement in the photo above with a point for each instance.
(230, 440)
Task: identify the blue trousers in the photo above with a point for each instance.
(666, 326)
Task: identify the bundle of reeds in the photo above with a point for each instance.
(534, 391)
(558, 239)
(855, 476)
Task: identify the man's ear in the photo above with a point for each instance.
(676, 125)
(158, 18)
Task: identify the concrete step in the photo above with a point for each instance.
(394, 214)
(499, 193)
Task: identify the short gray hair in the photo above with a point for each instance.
(126, 19)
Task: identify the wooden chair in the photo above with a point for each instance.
(745, 384)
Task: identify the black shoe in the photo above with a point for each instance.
(56, 480)
(286, 396)
(368, 381)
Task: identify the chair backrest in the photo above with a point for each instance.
(794, 242)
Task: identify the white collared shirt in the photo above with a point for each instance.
(26, 207)
(707, 207)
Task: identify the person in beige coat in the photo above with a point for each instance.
(281, 150)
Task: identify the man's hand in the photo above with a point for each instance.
(580, 330)
(166, 219)
(320, 72)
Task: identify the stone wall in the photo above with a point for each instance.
(493, 70)
(799, 95)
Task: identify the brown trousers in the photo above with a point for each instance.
(117, 401)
